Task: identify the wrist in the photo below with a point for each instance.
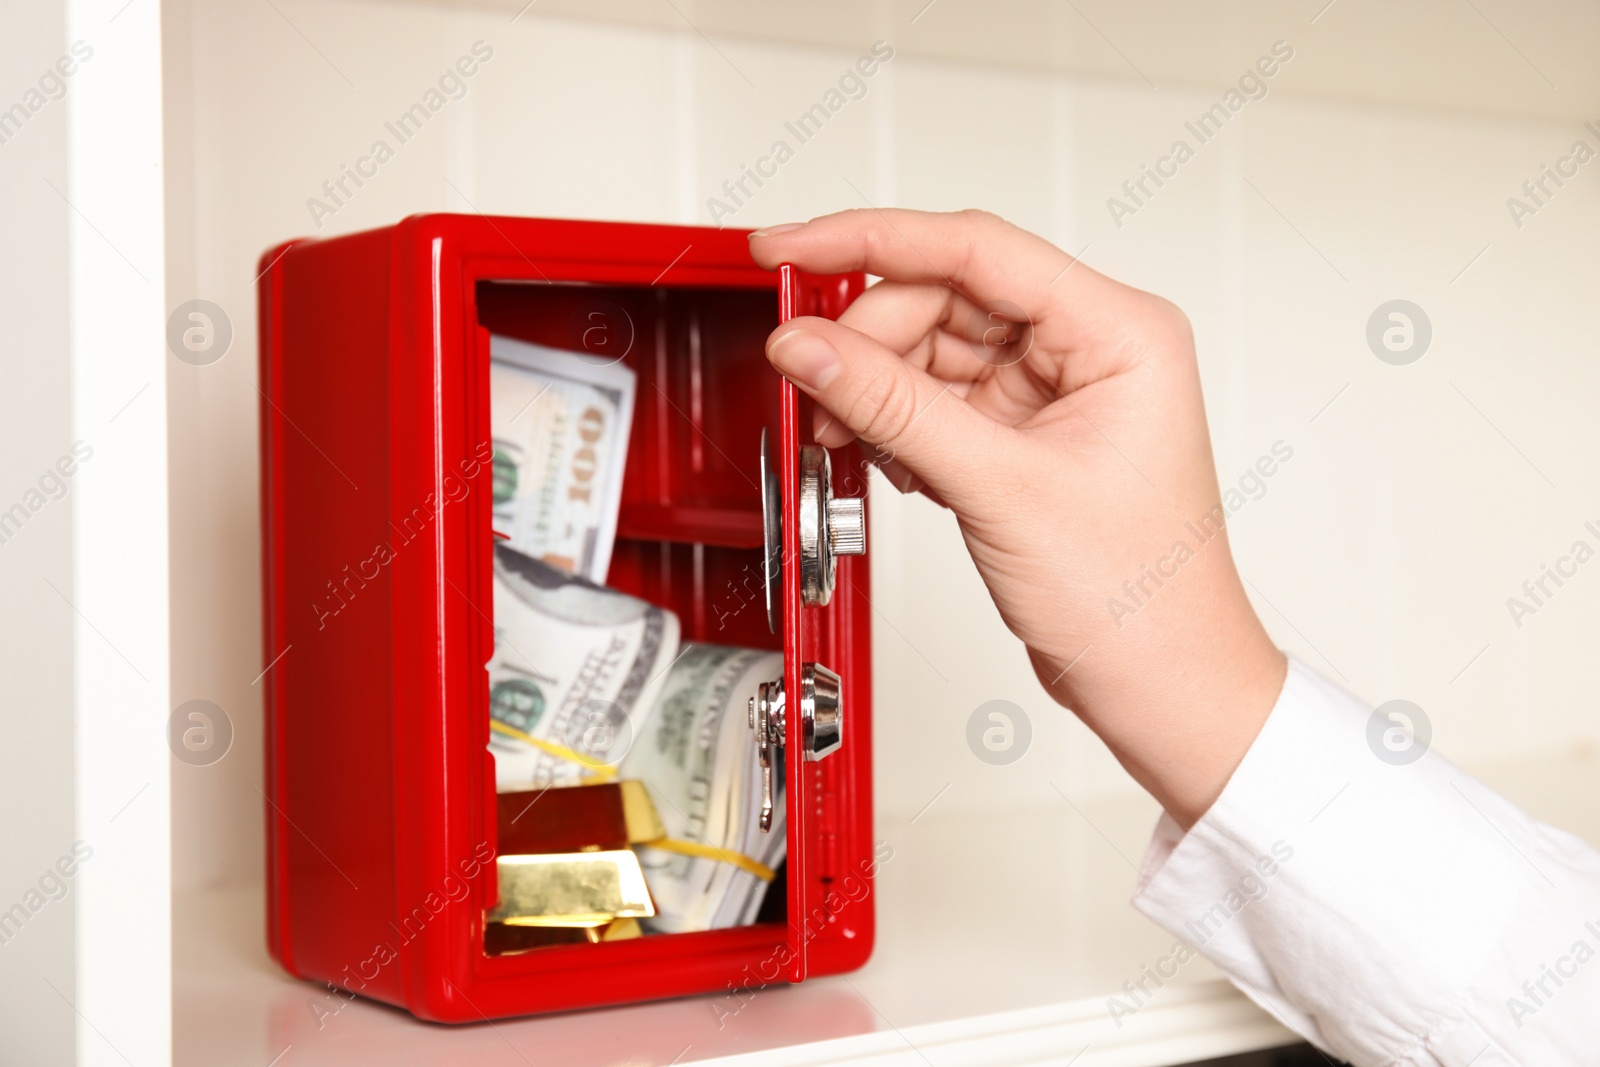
(1180, 701)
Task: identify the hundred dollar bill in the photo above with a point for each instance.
(560, 422)
(576, 667)
(697, 757)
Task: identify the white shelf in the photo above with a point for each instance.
(952, 980)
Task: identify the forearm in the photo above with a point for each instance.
(1179, 691)
(1392, 913)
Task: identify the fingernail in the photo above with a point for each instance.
(773, 231)
(805, 359)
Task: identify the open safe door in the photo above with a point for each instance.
(819, 536)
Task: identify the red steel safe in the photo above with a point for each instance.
(380, 787)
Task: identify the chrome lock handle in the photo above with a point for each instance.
(830, 527)
(821, 724)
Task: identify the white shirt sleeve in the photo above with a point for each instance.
(1391, 912)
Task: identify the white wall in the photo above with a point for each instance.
(85, 866)
(36, 762)
(1383, 551)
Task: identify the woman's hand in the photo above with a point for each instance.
(1058, 414)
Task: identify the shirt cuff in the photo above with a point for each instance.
(1342, 880)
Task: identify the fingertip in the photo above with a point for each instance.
(769, 253)
(773, 231)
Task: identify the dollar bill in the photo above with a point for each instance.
(576, 666)
(697, 758)
(560, 422)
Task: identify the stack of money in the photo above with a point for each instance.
(587, 682)
(576, 670)
(697, 757)
(560, 422)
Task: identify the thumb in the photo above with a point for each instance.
(899, 410)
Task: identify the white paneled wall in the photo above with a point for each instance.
(1383, 552)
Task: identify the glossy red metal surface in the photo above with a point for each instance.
(377, 588)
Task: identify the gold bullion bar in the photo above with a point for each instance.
(639, 812)
(571, 889)
(502, 939)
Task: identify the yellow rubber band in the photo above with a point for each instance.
(711, 852)
(666, 844)
(589, 763)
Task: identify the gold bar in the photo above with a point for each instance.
(639, 813)
(577, 818)
(501, 939)
(571, 889)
